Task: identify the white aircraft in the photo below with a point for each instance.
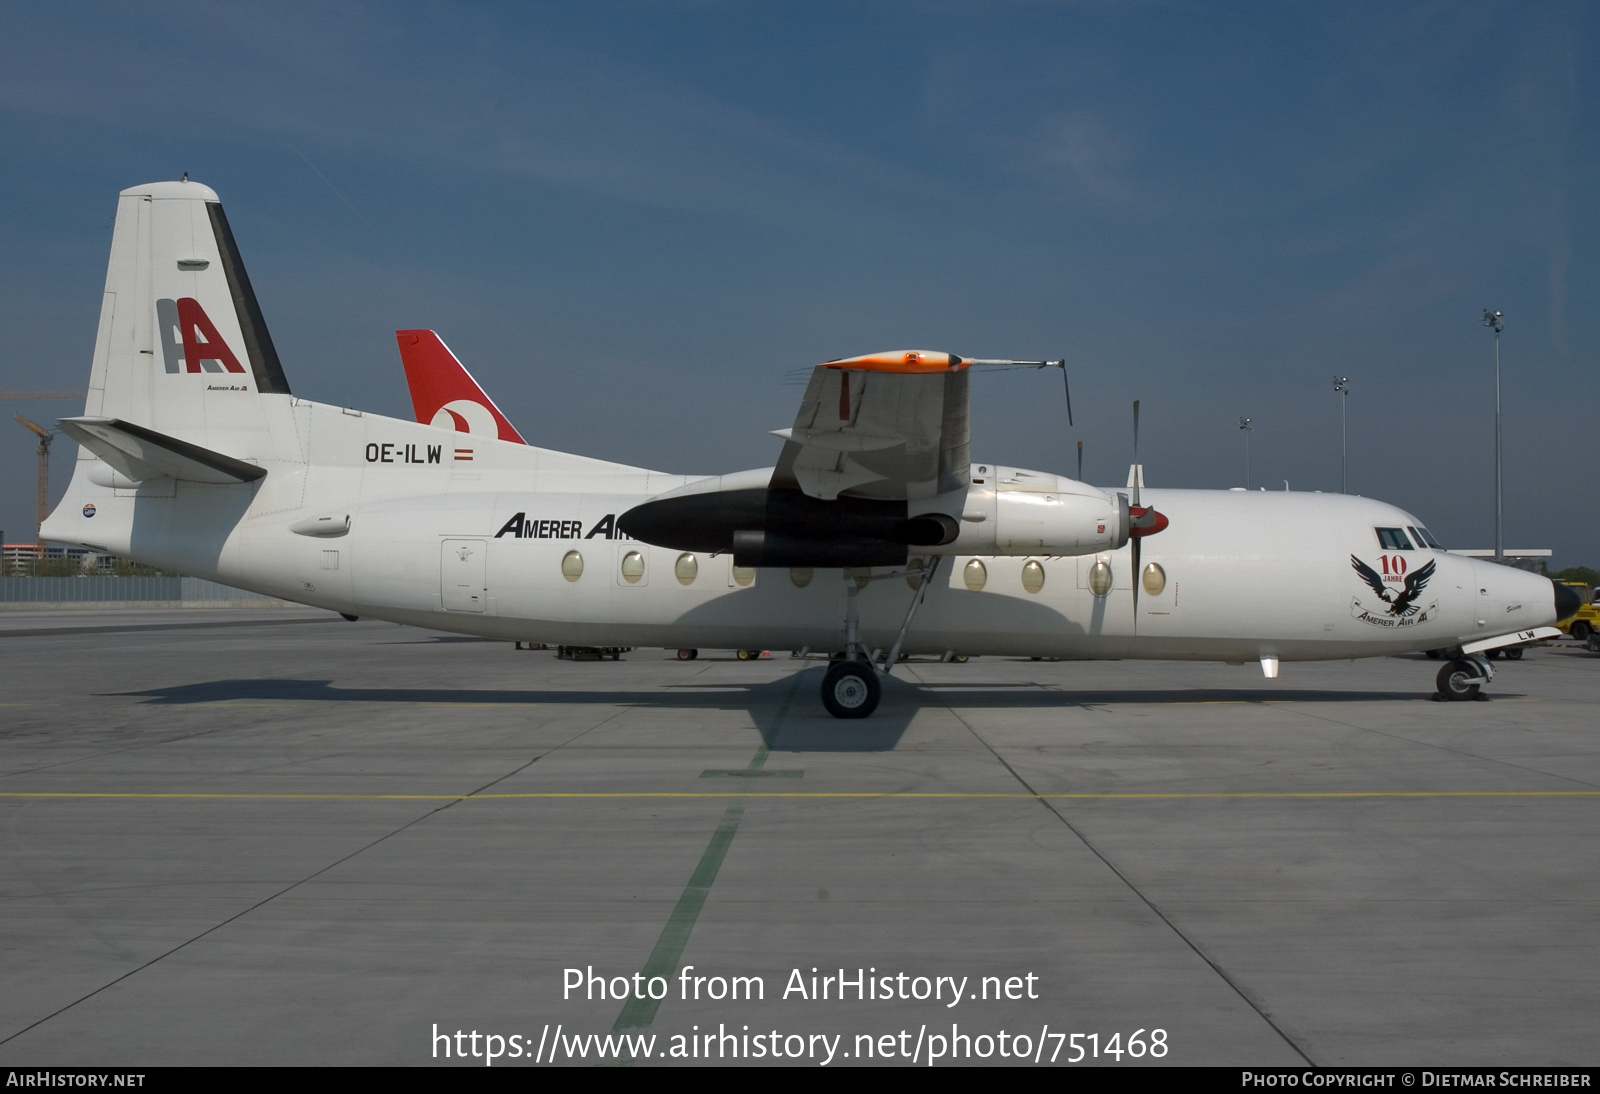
(196, 457)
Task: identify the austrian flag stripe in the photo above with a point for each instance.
(463, 453)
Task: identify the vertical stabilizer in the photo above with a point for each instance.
(443, 392)
(182, 348)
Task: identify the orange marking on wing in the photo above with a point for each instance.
(903, 361)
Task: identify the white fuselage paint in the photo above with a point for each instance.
(1248, 575)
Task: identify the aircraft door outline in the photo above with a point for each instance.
(464, 575)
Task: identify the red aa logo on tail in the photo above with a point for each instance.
(201, 342)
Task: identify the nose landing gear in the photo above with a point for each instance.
(1461, 679)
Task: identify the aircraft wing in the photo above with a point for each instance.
(887, 426)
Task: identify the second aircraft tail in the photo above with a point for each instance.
(443, 392)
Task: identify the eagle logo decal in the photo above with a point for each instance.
(1401, 603)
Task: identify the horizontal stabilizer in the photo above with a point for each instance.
(142, 454)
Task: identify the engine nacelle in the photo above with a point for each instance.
(1016, 512)
(1004, 511)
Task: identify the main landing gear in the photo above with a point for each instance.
(850, 688)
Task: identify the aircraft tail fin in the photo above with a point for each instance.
(443, 392)
(182, 348)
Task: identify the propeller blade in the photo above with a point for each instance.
(1136, 557)
(1135, 498)
(1068, 384)
(1080, 461)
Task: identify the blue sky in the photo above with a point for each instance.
(635, 221)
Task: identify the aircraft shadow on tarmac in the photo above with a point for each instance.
(786, 712)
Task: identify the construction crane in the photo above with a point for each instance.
(45, 437)
(44, 445)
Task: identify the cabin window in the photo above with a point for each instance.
(800, 576)
(974, 574)
(1100, 578)
(1154, 579)
(687, 568)
(1032, 576)
(744, 576)
(572, 565)
(1393, 539)
(632, 567)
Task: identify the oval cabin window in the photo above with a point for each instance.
(572, 565)
(686, 569)
(1032, 576)
(1154, 579)
(974, 574)
(1100, 578)
(632, 567)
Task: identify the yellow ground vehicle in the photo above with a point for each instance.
(1586, 621)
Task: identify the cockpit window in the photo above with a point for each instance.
(1425, 536)
(1393, 539)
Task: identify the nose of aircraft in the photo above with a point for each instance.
(1567, 600)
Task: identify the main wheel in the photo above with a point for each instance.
(746, 655)
(1459, 681)
(851, 689)
(688, 655)
(1514, 653)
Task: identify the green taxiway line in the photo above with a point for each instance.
(663, 960)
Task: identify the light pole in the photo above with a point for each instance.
(1491, 319)
(1244, 424)
(1341, 384)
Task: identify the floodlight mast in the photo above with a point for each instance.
(1341, 384)
(1244, 424)
(1492, 320)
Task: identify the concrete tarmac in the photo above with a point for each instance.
(282, 838)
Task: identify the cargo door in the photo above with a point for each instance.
(463, 575)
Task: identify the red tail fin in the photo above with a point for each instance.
(443, 392)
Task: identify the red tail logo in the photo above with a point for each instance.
(444, 394)
(201, 342)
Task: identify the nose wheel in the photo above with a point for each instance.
(851, 689)
(1461, 679)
